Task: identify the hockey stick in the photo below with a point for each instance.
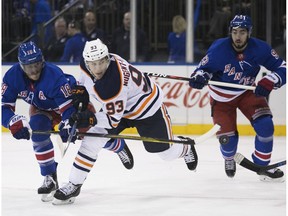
(199, 139)
(72, 132)
(243, 161)
(224, 84)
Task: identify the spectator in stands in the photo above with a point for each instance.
(177, 40)
(20, 22)
(75, 44)
(55, 47)
(77, 11)
(40, 14)
(90, 30)
(220, 20)
(243, 7)
(121, 41)
(280, 40)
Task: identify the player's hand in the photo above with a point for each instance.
(80, 95)
(267, 84)
(84, 119)
(199, 79)
(65, 130)
(19, 127)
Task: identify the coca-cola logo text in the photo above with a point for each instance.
(179, 94)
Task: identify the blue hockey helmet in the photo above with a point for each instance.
(241, 21)
(29, 53)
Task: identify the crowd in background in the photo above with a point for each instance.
(64, 39)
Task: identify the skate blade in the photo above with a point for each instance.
(47, 197)
(63, 202)
(265, 178)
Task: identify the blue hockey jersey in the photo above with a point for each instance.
(52, 92)
(226, 65)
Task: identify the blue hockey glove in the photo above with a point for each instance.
(84, 119)
(65, 130)
(267, 84)
(199, 79)
(19, 127)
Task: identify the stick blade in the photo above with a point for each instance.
(61, 146)
(208, 134)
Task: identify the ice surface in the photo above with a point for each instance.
(152, 187)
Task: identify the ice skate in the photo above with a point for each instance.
(48, 188)
(126, 157)
(66, 194)
(273, 175)
(191, 158)
(230, 168)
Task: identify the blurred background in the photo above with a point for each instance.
(23, 20)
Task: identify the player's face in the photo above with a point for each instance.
(33, 71)
(240, 38)
(98, 68)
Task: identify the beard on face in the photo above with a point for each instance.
(239, 46)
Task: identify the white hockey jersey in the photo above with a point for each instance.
(123, 91)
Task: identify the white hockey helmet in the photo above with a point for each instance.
(95, 50)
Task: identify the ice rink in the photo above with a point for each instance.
(152, 188)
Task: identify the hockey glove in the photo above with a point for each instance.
(19, 127)
(80, 95)
(65, 130)
(199, 79)
(84, 119)
(267, 84)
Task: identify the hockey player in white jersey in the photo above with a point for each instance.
(129, 99)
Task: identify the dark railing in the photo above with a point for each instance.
(42, 28)
(155, 18)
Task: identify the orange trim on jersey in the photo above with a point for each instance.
(114, 125)
(83, 162)
(151, 96)
(121, 84)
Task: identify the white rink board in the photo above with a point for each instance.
(185, 105)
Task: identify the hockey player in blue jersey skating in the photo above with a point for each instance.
(48, 91)
(237, 59)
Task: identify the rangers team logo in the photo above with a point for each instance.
(23, 94)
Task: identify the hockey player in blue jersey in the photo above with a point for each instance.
(237, 59)
(48, 91)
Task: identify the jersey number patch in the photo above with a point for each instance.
(116, 107)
